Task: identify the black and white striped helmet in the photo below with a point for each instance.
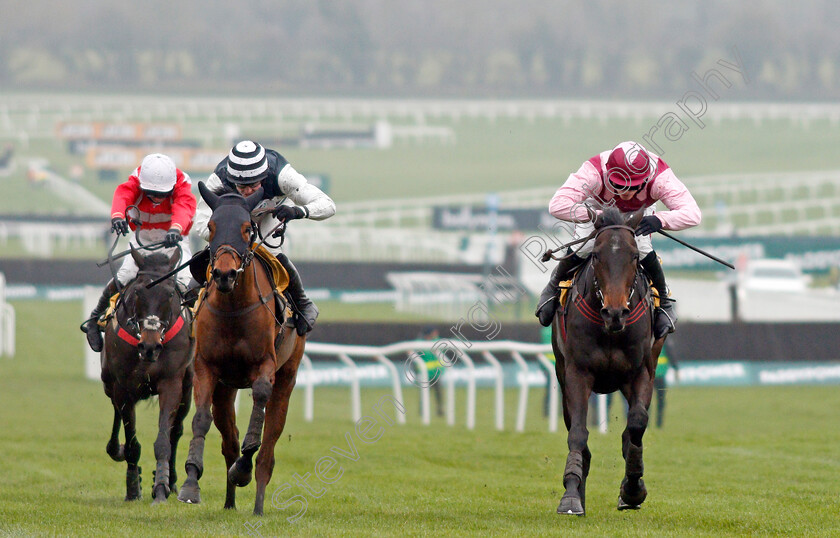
(247, 163)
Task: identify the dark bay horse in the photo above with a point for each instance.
(148, 351)
(603, 342)
(241, 341)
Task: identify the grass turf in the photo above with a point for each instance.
(730, 461)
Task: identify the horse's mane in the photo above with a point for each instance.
(611, 216)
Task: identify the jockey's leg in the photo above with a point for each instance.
(90, 327)
(665, 318)
(306, 311)
(547, 305)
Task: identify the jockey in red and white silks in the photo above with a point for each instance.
(158, 215)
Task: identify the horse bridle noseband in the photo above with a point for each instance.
(244, 259)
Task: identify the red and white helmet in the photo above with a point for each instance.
(630, 166)
(157, 173)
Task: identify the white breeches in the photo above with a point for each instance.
(128, 269)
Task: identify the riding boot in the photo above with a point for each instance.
(90, 327)
(547, 305)
(191, 294)
(664, 318)
(305, 310)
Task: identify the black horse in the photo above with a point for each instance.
(148, 351)
(603, 342)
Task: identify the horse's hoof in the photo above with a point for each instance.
(190, 492)
(631, 498)
(239, 473)
(160, 493)
(570, 506)
(624, 506)
(116, 452)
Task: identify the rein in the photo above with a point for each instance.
(583, 306)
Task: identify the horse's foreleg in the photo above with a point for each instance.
(114, 448)
(261, 387)
(576, 402)
(633, 492)
(276, 411)
(204, 383)
(169, 399)
(132, 451)
(178, 425)
(224, 416)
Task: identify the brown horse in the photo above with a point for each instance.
(148, 351)
(603, 342)
(241, 342)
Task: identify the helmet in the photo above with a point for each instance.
(157, 173)
(629, 166)
(247, 163)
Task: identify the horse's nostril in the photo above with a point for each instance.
(217, 274)
(625, 312)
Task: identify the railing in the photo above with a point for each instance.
(405, 353)
(7, 322)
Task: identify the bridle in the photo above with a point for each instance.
(244, 259)
(597, 286)
(148, 323)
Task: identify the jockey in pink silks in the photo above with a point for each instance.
(630, 178)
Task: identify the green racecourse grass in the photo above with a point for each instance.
(505, 154)
(730, 461)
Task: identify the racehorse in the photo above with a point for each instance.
(242, 341)
(603, 342)
(148, 351)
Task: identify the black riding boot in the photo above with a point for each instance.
(90, 327)
(305, 310)
(547, 305)
(191, 294)
(665, 318)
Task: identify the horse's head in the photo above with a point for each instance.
(153, 308)
(231, 234)
(615, 258)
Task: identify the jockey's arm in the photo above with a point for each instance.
(315, 203)
(683, 211)
(183, 204)
(203, 212)
(567, 203)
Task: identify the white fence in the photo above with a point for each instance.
(7, 322)
(404, 354)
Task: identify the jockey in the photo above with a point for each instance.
(165, 207)
(248, 167)
(630, 178)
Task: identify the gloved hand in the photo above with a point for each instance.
(172, 237)
(119, 226)
(285, 213)
(649, 225)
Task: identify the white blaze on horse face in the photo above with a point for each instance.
(151, 323)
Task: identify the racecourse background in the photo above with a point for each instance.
(734, 460)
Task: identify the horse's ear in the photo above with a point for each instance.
(632, 220)
(138, 258)
(208, 195)
(254, 199)
(175, 257)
